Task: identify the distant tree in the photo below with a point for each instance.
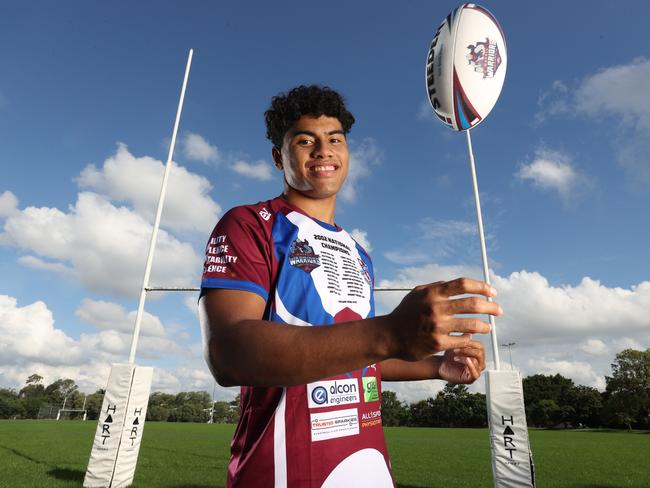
(423, 413)
(94, 404)
(32, 396)
(628, 390)
(542, 387)
(544, 413)
(393, 412)
(33, 387)
(221, 413)
(60, 390)
(587, 406)
(10, 405)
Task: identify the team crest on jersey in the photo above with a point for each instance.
(302, 255)
(364, 271)
(485, 57)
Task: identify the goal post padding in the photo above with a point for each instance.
(118, 436)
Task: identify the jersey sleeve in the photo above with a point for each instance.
(238, 254)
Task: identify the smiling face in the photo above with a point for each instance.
(314, 158)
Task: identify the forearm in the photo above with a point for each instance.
(262, 353)
(399, 370)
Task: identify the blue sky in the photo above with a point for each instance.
(88, 94)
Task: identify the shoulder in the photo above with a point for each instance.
(260, 212)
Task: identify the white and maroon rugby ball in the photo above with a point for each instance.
(466, 66)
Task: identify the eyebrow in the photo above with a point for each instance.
(313, 134)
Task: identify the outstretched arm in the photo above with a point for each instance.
(243, 349)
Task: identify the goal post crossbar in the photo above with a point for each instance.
(193, 288)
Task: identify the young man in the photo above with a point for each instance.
(287, 310)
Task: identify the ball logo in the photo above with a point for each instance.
(485, 57)
(319, 395)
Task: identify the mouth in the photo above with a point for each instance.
(323, 168)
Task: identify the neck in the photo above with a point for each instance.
(318, 208)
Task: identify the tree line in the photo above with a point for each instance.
(550, 400)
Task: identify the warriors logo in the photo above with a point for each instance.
(485, 57)
(302, 255)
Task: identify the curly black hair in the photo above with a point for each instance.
(314, 100)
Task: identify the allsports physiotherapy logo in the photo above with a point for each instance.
(370, 389)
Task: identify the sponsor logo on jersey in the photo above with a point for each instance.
(319, 395)
(333, 393)
(330, 425)
(302, 255)
(485, 57)
(265, 214)
(369, 419)
(370, 389)
(364, 270)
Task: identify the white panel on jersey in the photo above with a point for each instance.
(284, 314)
(363, 469)
(280, 443)
(340, 279)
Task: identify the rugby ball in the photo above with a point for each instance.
(466, 66)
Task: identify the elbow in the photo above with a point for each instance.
(222, 374)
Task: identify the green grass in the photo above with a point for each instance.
(54, 454)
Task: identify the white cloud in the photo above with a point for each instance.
(620, 90)
(361, 236)
(37, 263)
(580, 372)
(8, 204)
(102, 246)
(112, 316)
(31, 343)
(137, 181)
(259, 171)
(595, 347)
(362, 157)
(615, 93)
(553, 102)
(553, 171)
(28, 333)
(196, 148)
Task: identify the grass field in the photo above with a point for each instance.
(55, 454)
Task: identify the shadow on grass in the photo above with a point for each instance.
(58, 473)
(22, 455)
(67, 474)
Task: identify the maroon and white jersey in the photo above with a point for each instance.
(310, 273)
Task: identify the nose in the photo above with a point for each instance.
(322, 149)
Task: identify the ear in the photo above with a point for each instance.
(277, 158)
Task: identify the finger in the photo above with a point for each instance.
(473, 305)
(473, 370)
(474, 350)
(461, 286)
(471, 350)
(466, 325)
(447, 342)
